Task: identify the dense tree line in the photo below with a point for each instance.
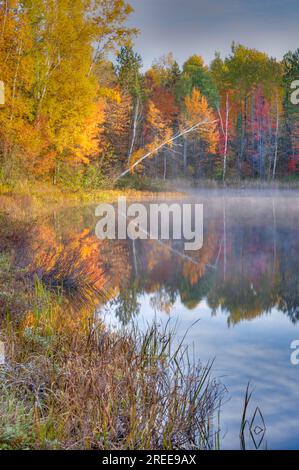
(75, 117)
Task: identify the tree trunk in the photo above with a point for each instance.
(185, 155)
(276, 140)
(224, 129)
(134, 127)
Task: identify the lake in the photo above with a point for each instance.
(238, 298)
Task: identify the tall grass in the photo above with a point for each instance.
(79, 385)
(248, 426)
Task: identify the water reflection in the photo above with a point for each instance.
(247, 266)
(243, 285)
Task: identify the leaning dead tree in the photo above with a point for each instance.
(169, 141)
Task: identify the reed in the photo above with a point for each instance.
(78, 385)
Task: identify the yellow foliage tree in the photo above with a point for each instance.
(196, 111)
(49, 52)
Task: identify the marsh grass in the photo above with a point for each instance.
(74, 384)
(249, 424)
(67, 273)
(15, 420)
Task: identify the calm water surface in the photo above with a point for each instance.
(242, 287)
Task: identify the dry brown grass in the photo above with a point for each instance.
(85, 387)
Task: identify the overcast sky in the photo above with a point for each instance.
(187, 27)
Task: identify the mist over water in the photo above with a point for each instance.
(247, 301)
(241, 289)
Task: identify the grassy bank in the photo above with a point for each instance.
(35, 199)
(70, 383)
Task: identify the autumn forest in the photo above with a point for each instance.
(119, 332)
(80, 108)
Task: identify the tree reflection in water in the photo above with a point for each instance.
(247, 266)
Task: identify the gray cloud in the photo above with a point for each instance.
(186, 27)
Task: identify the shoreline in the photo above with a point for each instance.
(41, 199)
